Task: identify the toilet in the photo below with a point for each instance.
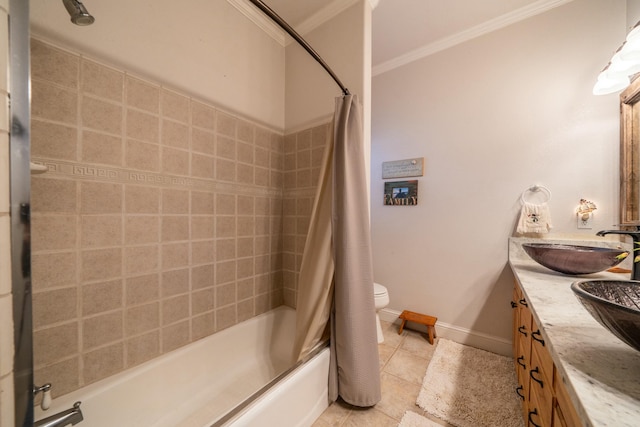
(381, 298)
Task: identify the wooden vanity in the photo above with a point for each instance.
(571, 371)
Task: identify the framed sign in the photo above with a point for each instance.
(401, 193)
(403, 168)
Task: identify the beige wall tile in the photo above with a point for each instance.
(262, 304)
(175, 134)
(203, 141)
(246, 226)
(53, 269)
(100, 231)
(261, 225)
(174, 228)
(53, 140)
(303, 159)
(64, 375)
(139, 199)
(175, 309)
(101, 149)
(225, 317)
(244, 174)
(100, 297)
(54, 103)
(303, 140)
(50, 307)
(303, 179)
(203, 325)
(102, 363)
(225, 204)
(141, 259)
(100, 198)
(226, 148)
(276, 161)
(263, 138)
(53, 232)
(202, 166)
(225, 294)
(203, 252)
(102, 329)
(244, 247)
(6, 337)
(175, 336)
(175, 106)
(225, 249)
(226, 124)
(225, 170)
(142, 95)
(202, 301)
(143, 126)
(53, 65)
(53, 344)
(101, 115)
(142, 229)
(142, 348)
(141, 289)
(245, 268)
(246, 205)
(102, 81)
(53, 195)
(175, 255)
(202, 203)
(175, 201)
(245, 131)
(202, 227)
(262, 157)
(277, 143)
(142, 318)
(244, 152)
(141, 155)
(175, 162)
(203, 116)
(101, 264)
(175, 282)
(226, 226)
(245, 310)
(245, 288)
(202, 276)
(319, 135)
(225, 272)
(290, 143)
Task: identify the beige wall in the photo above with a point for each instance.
(6, 309)
(158, 222)
(492, 117)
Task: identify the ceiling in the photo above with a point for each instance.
(402, 28)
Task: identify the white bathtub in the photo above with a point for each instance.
(195, 386)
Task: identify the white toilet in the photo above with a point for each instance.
(381, 297)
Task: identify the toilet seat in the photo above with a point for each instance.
(379, 290)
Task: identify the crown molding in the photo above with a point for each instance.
(323, 15)
(260, 19)
(497, 23)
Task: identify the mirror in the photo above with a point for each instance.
(630, 154)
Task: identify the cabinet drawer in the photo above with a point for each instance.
(543, 358)
(566, 412)
(541, 386)
(537, 415)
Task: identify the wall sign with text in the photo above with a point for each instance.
(403, 168)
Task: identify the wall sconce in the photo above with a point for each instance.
(585, 213)
(624, 63)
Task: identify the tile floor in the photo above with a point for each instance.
(403, 363)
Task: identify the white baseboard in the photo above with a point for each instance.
(455, 333)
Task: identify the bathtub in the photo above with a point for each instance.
(242, 376)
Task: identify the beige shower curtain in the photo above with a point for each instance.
(336, 275)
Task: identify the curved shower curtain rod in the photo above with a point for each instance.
(297, 37)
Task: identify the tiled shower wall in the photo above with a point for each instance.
(6, 311)
(159, 221)
(303, 158)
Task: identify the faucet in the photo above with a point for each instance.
(71, 416)
(635, 270)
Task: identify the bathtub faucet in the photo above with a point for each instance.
(635, 269)
(71, 416)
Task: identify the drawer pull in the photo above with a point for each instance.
(518, 392)
(539, 381)
(524, 302)
(513, 304)
(536, 336)
(534, 412)
(519, 361)
(523, 330)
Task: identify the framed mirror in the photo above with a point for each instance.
(630, 154)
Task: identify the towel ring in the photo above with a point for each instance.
(535, 189)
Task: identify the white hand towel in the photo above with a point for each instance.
(534, 219)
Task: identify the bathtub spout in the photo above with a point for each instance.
(71, 416)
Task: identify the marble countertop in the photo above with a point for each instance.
(602, 373)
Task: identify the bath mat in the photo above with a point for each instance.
(411, 419)
(468, 387)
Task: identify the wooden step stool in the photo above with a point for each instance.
(423, 319)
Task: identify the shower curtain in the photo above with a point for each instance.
(335, 294)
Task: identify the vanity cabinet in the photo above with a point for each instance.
(545, 401)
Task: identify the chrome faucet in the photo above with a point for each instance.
(635, 235)
(71, 416)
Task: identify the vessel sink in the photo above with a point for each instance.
(574, 259)
(615, 304)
